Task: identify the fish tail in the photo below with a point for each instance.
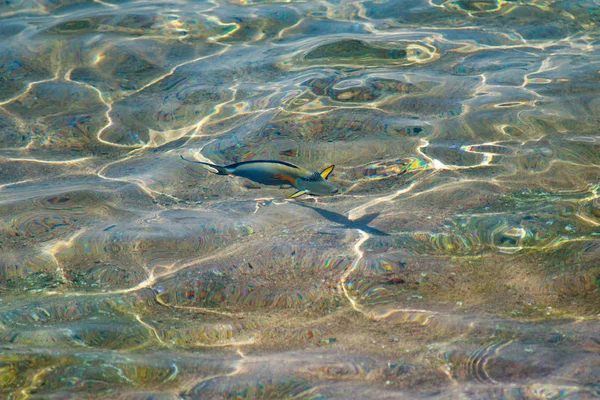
(215, 169)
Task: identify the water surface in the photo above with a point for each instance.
(459, 260)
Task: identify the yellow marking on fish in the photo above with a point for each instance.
(298, 194)
(327, 171)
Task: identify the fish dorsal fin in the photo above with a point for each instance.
(327, 171)
(298, 194)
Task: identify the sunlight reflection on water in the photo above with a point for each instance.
(459, 259)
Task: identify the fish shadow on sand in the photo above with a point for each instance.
(360, 223)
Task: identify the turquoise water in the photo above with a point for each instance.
(460, 259)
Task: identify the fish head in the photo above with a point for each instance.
(319, 187)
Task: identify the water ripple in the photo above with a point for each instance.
(458, 259)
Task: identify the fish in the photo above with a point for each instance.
(277, 173)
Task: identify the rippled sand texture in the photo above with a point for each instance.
(461, 258)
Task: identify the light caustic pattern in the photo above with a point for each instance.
(459, 258)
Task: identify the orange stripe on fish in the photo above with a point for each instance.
(286, 178)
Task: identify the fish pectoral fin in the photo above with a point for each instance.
(327, 171)
(285, 187)
(298, 194)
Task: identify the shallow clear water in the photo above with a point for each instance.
(461, 258)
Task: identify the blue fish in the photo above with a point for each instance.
(278, 173)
